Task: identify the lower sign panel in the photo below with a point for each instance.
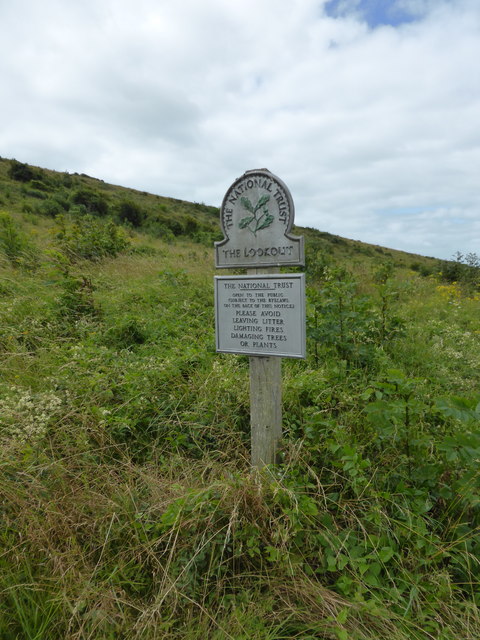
(261, 315)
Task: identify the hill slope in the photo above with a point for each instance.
(25, 189)
(128, 506)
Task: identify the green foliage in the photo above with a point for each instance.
(95, 203)
(127, 334)
(130, 212)
(15, 245)
(35, 607)
(22, 172)
(160, 230)
(464, 269)
(76, 300)
(388, 291)
(40, 185)
(341, 320)
(90, 238)
(50, 207)
(207, 238)
(316, 263)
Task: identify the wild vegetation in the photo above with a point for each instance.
(128, 506)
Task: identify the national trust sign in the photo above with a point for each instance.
(256, 216)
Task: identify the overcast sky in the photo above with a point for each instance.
(369, 110)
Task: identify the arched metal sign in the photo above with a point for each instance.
(257, 216)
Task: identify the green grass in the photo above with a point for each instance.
(129, 509)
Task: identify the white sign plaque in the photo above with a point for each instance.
(262, 315)
(256, 216)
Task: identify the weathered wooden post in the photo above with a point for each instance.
(261, 314)
(265, 408)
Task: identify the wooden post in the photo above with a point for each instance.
(265, 408)
(265, 402)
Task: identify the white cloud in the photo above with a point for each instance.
(374, 130)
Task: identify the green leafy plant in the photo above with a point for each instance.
(130, 212)
(388, 291)
(23, 172)
(341, 319)
(94, 202)
(90, 238)
(15, 245)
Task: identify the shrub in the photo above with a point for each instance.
(127, 334)
(93, 201)
(129, 211)
(316, 263)
(40, 185)
(341, 319)
(78, 210)
(67, 180)
(176, 226)
(15, 245)
(160, 230)
(50, 208)
(34, 193)
(191, 225)
(21, 172)
(206, 238)
(463, 268)
(62, 198)
(90, 239)
(76, 300)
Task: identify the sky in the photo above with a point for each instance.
(368, 110)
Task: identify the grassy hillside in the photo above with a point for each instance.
(128, 507)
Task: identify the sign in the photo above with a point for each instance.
(256, 217)
(261, 315)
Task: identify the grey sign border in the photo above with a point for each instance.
(302, 312)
